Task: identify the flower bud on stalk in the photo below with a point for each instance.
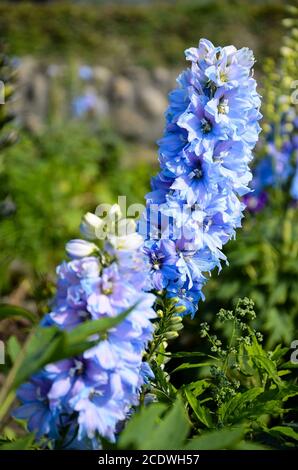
(177, 326)
(80, 248)
(171, 334)
(90, 225)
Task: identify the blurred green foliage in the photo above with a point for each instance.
(53, 179)
(148, 34)
(7, 88)
(8, 135)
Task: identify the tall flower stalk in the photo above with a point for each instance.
(194, 207)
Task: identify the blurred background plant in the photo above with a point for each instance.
(54, 177)
(8, 135)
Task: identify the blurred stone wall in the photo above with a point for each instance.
(132, 101)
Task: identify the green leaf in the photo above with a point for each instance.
(271, 401)
(226, 438)
(278, 352)
(280, 325)
(245, 363)
(198, 387)
(13, 348)
(23, 443)
(92, 327)
(171, 431)
(8, 434)
(141, 426)
(268, 366)
(161, 378)
(40, 350)
(285, 431)
(288, 390)
(279, 294)
(262, 361)
(282, 373)
(10, 311)
(77, 341)
(202, 413)
(151, 429)
(50, 344)
(162, 396)
(290, 365)
(189, 365)
(240, 406)
(192, 354)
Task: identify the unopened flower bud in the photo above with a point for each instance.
(159, 293)
(80, 248)
(180, 309)
(171, 334)
(177, 326)
(176, 319)
(90, 224)
(174, 301)
(166, 359)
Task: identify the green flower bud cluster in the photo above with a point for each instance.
(222, 387)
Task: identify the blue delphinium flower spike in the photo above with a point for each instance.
(85, 397)
(194, 207)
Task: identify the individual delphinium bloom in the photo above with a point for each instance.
(70, 299)
(85, 397)
(211, 129)
(163, 259)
